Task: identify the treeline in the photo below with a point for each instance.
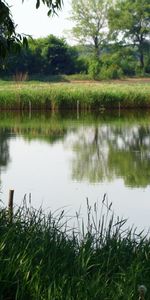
(45, 56)
(113, 41)
(53, 56)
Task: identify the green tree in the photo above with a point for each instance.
(129, 21)
(9, 39)
(23, 62)
(117, 61)
(57, 56)
(44, 56)
(90, 18)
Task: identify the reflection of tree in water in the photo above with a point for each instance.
(4, 148)
(50, 135)
(91, 156)
(108, 152)
(129, 155)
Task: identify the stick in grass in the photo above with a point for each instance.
(10, 204)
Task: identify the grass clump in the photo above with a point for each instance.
(42, 258)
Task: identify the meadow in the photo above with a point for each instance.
(78, 95)
(42, 258)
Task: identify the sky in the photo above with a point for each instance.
(36, 23)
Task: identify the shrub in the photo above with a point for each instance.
(122, 58)
(94, 69)
(111, 72)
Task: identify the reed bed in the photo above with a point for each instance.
(81, 96)
(41, 257)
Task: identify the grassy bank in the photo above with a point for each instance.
(77, 95)
(41, 258)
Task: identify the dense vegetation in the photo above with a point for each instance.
(42, 258)
(53, 56)
(78, 96)
(45, 56)
(113, 42)
(10, 40)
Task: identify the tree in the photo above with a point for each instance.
(90, 17)
(45, 56)
(129, 21)
(9, 39)
(56, 56)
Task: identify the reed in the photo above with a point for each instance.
(87, 96)
(41, 257)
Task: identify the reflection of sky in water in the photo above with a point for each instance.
(45, 171)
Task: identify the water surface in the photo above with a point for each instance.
(63, 160)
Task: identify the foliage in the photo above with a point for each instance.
(122, 26)
(90, 18)
(9, 39)
(130, 21)
(52, 5)
(111, 72)
(50, 55)
(114, 36)
(56, 56)
(81, 65)
(94, 69)
(122, 58)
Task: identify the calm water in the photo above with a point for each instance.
(62, 160)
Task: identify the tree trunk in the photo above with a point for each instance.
(141, 55)
(142, 60)
(96, 46)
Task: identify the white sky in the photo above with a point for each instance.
(35, 22)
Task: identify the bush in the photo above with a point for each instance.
(123, 59)
(81, 65)
(94, 69)
(111, 72)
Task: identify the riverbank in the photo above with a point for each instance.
(42, 258)
(76, 95)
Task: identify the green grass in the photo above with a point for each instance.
(41, 258)
(58, 96)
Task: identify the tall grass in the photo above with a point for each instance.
(58, 96)
(42, 258)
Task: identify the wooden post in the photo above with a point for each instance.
(77, 109)
(10, 204)
(30, 109)
(119, 109)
